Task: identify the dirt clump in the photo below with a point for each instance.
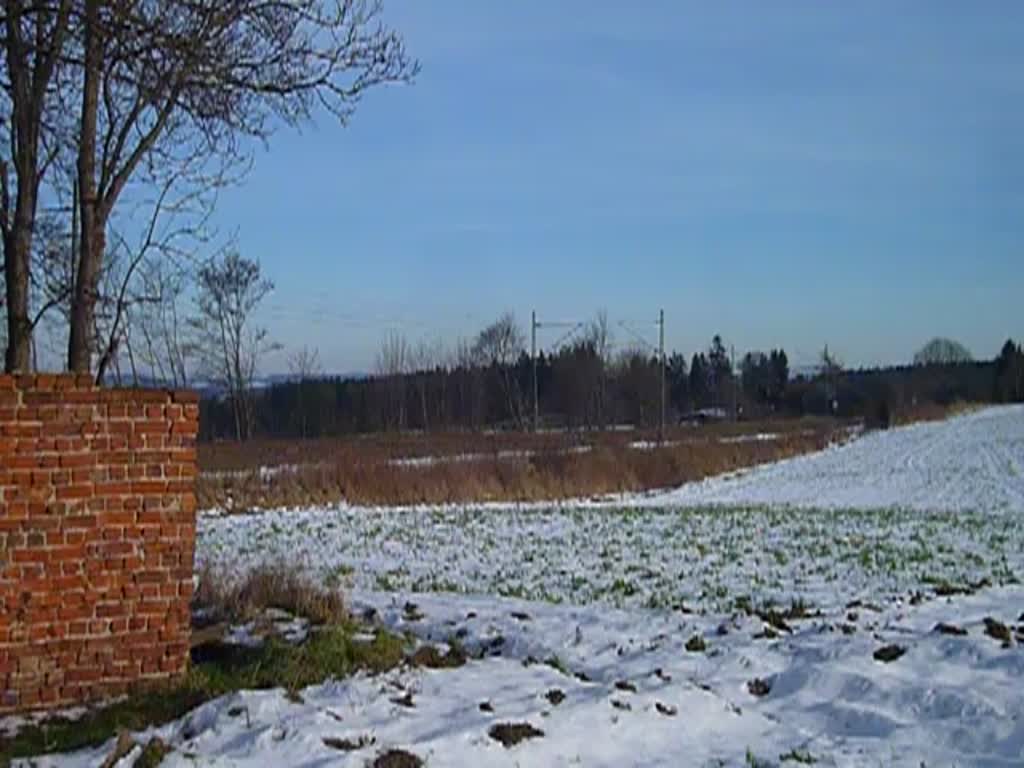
(349, 745)
(555, 696)
(758, 687)
(510, 734)
(998, 631)
(430, 657)
(396, 758)
(889, 653)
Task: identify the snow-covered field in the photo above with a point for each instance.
(868, 545)
(973, 462)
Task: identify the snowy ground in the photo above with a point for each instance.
(601, 603)
(973, 462)
(635, 696)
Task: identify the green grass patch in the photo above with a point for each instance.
(332, 653)
(801, 756)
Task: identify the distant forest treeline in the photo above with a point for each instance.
(581, 386)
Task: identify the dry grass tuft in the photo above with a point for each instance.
(223, 597)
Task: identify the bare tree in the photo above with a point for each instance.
(468, 383)
(425, 357)
(229, 341)
(49, 275)
(34, 35)
(498, 347)
(599, 335)
(304, 364)
(176, 227)
(393, 364)
(158, 336)
(166, 82)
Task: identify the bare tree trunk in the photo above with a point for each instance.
(83, 307)
(93, 220)
(17, 256)
(17, 247)
(30, 64)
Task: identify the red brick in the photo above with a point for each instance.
(83, 675)
(30, 556)
(111, 610)
(60, 430)
(149, 487)
(151, 427)
(64, 382)
(79, 397)
(79, 460)
(81, 491)
(23, 462)
(117, 411)
(67, 552)
(37, 398)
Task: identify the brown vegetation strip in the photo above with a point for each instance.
(364, 473)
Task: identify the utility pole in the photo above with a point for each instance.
(533, 354)
(661, 355)
(536, 325)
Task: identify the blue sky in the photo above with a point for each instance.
(785, 173)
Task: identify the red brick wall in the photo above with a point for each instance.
(97, 536)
